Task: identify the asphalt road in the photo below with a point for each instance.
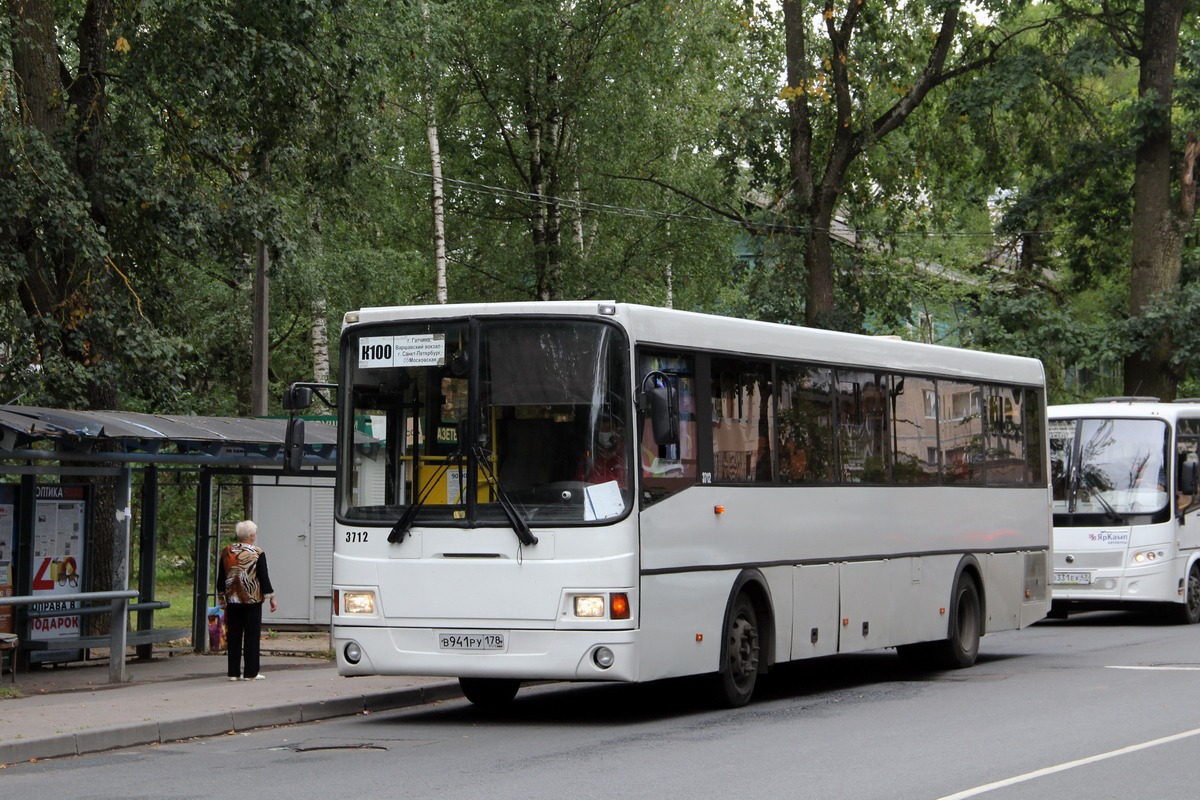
(1102, 705)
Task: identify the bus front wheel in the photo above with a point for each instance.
(741, 650)
(1189, 612)
(489, 692)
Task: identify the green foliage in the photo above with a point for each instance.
(589, 150)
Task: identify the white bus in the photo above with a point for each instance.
(608, 492)
(1123, 474)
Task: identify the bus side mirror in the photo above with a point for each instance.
(293, 446)
(664, 414)
(297, 398)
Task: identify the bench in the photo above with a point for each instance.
(133, 638)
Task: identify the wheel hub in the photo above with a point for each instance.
(743, 649)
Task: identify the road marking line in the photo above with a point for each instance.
(1169, 669)
(1028, 776)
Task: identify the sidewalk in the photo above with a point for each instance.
(71, 709)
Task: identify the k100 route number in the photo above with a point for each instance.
(472, 640)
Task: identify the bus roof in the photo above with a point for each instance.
(690, 330)
(1126, 408)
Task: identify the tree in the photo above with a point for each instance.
(1164, 185)
(874, 69)
(546, 112)
(1103, 100)
(133, 160)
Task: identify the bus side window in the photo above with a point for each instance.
(862, 427)
(805, 424)
(1187, 452)
(914, 429)
(960, 431)
(1003, 450)
(742, 421)
(667, 469)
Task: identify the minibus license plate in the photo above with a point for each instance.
(1072, 578)
(489, 641)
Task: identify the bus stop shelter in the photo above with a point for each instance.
(42, 560)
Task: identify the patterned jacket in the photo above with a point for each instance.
(242, 575)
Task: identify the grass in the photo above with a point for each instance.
(177, 592)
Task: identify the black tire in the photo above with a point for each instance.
(1188, 613)
(966, 626)
(740, 656)
(1058, 610)
(489, 692)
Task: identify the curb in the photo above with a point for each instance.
(217, 724)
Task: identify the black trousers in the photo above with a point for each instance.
(243, 622)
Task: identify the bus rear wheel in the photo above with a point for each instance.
(966, 627)
(739, 674)
(1189, 612)
(489, 692)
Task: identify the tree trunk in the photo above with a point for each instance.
(1158, 224)
(260, 344)
(435, 168)
(35, 64)
(320, 341)
(438, 200)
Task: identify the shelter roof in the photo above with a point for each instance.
(29, 432)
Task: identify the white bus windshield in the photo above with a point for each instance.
(470, 422)
(1111, 467)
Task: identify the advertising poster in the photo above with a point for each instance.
(58, 538)
(8, 527)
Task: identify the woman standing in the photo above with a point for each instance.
(242, 584)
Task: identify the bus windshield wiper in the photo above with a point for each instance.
(524, 534)
(1109, 511)
(410, 514)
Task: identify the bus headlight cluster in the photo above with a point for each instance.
(1148, 556)
(599, 606)
(358, 602)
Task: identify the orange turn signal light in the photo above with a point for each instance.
(618, 605)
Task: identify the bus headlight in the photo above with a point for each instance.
(358, 602)
(589, 606)
(1147, 556)
(352, 652)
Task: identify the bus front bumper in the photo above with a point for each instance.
(1153, 583)
(525, 654)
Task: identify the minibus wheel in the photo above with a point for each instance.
(1189, 612)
